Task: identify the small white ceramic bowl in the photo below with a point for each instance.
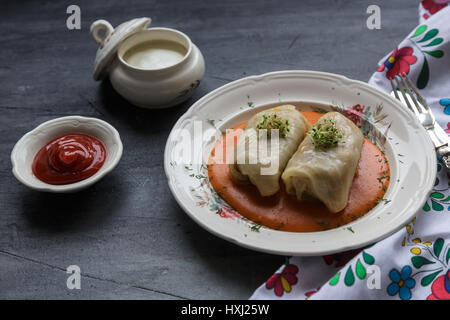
(157, 88)
(26, 148)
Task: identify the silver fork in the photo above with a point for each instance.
(416, 103)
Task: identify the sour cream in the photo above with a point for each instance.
(152, 55)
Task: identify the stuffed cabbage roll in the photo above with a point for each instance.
(260, 161)
(325, 163)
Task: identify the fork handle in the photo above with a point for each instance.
(438, 136)
(441, 142)
(444, 152)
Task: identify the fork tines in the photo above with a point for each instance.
(405, 85)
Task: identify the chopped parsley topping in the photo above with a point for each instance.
(197, 176)
(256, 227)
(323, 224)
(279, 226)
(380, 179)
(271, 122)
(379, 200)
(325, 134)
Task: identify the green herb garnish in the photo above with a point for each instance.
(197, 176)
(325, 134)
(380, 179)
(256, 227)
(323, 224)
(386, 201)
(273, 122)
(279, 226)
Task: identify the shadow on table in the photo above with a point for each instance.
(140, 120)
(238, 269)
(72, 211)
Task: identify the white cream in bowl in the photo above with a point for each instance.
(154, 55)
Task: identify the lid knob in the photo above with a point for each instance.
(109, 39)
(100, 30)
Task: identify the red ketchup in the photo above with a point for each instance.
(68, 159)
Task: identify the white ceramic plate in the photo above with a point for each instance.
(26, 148)
(395, 130)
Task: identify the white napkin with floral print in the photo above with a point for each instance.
(414, 263)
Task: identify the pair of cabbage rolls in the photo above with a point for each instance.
(314, 163)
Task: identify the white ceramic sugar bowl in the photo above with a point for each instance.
(159, 77)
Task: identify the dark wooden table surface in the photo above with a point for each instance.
(126, 233)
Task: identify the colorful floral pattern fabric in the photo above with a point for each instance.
(429, 7)
(440, 289)
(402, 283)
(425, 42)
(413, 263)
(283, 281)
(398, 62)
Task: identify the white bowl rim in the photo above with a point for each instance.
(72, 187)
(121, 52)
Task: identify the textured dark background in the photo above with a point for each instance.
(127, 233)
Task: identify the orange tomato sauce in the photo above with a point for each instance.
(283, 211)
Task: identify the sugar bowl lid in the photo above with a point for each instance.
(109, 40)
